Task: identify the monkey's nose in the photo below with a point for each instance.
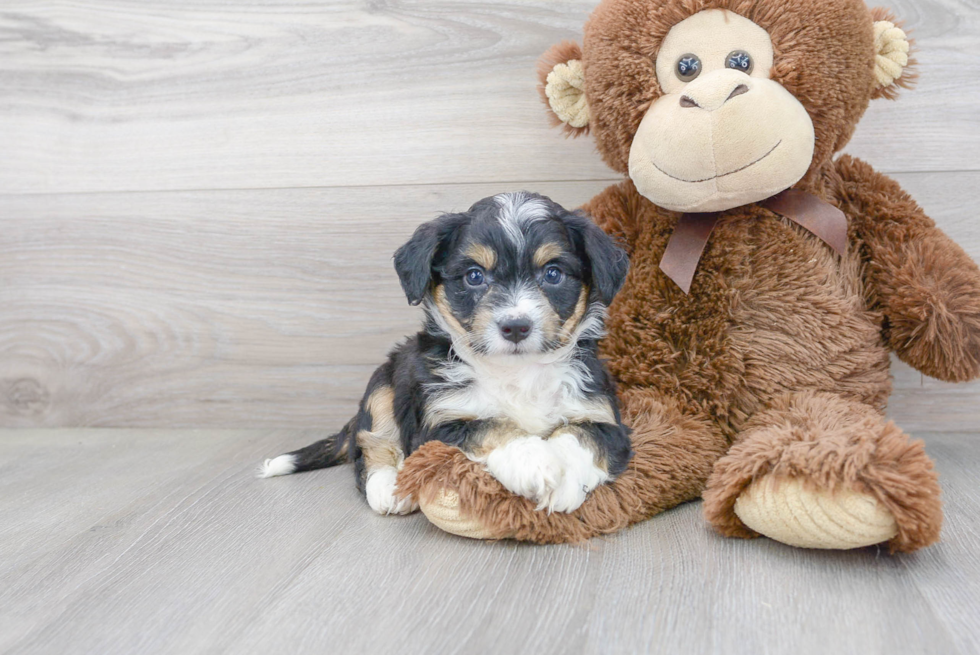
(516, 329)
(713, 92)
(737, 91)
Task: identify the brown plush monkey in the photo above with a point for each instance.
(755, 375)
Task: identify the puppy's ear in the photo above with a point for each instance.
(414, 260)
(608, 263)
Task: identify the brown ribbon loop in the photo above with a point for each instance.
(686, 246)
(690, 237)
(819, 217)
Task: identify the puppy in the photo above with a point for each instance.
(505, 367)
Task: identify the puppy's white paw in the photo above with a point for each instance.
(380, 491)
(527, 467)
(580, 474)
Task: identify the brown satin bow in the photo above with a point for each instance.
(691, 233)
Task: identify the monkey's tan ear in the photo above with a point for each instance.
(562, 87)
(894, 68)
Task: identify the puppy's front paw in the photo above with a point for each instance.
(580, 474)
(380, 491)
(527, 467)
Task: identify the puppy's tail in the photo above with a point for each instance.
(324, 453)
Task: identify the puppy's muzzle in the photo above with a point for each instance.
(515, 329)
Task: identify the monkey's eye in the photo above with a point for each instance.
(553, 275)
(688, 67)
(475, 277)
(739, 60)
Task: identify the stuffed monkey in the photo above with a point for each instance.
(769, 281)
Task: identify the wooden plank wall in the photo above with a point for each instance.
(199, 199)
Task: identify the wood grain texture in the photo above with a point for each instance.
(266, 306)
(109, 95)
(162, 542)
(261, 308)
(207, 308)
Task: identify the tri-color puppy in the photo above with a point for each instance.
(505, 367)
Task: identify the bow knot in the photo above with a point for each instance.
(690, 237)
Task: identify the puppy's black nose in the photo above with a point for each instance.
(516, 329)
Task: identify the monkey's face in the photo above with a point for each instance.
(723, 134)
(714, 104)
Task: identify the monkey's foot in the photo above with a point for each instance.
(444, 513)
(786, 510)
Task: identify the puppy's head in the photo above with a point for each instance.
(517, 274)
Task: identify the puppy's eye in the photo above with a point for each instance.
(739, 60)
(688, 67)
(475, 277)
(553, 275)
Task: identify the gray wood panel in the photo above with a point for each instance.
(162, 542)
(109, 95)
(262, 308)
(207, 308)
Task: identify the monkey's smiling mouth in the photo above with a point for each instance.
(715, 177)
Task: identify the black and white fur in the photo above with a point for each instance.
(505, 367)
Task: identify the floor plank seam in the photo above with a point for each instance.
(447, 183)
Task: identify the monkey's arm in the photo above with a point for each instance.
(926, 286)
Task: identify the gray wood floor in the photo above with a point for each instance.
(161, 541)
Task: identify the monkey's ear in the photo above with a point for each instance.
(894, 69)
(562, 87)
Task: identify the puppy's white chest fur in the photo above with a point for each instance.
(538, 397)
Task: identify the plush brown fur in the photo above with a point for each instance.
(776, 363)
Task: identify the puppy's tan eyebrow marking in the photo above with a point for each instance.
(483, 255)
(546, 253)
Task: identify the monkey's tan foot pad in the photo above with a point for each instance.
(785, 510)
(443, 512)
